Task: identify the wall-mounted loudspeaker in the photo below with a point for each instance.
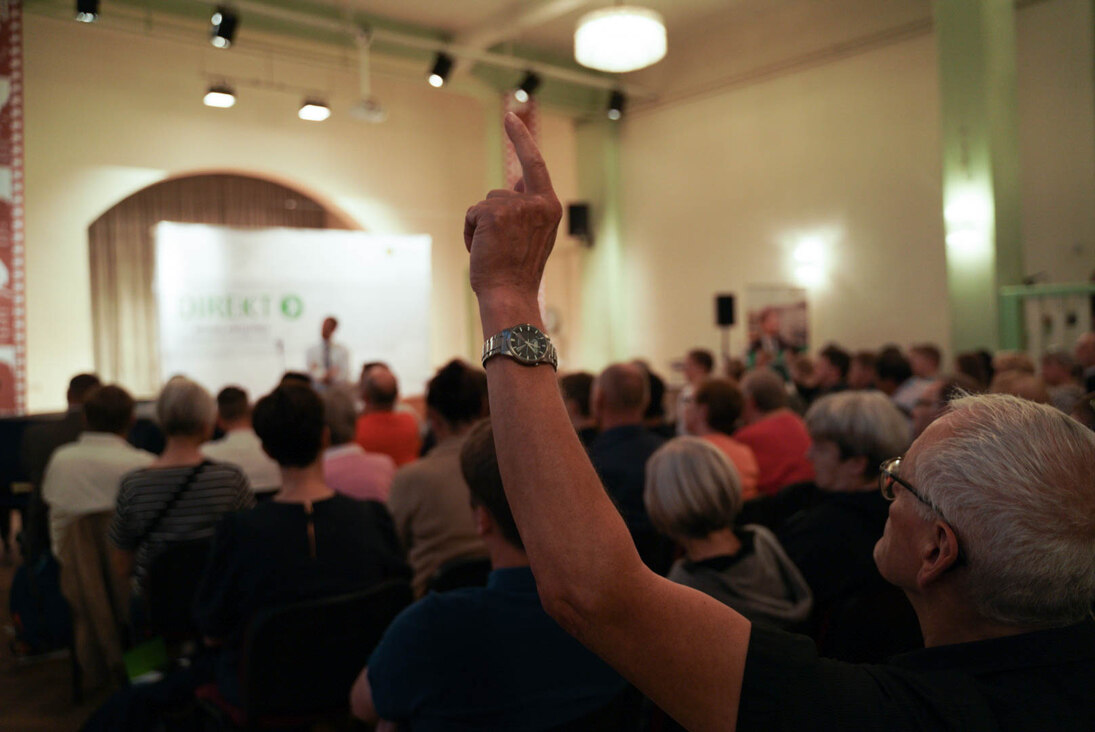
(724, 310)
(578, 223)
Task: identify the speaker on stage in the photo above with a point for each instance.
(724, 310)
(578, 224)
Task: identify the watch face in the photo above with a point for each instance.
(527, 343)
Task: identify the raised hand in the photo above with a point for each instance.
(511, 232)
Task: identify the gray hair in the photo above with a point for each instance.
(766, 389)
(862, 424)
(1016, 480)
(692, 489)
(184, 408)
(340, 414)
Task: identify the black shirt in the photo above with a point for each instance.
(1035, 681)
(262, 558)
(619, 455)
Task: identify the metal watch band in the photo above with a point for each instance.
(497, 345)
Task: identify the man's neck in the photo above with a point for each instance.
(240, 426)
(611, 420)
(504, 555)
(945, 621)
(372, 409)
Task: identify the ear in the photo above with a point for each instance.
(856, 466)
(938, 554)
(484, 524)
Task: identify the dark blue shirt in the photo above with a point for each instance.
(619, 455)
(486, 659)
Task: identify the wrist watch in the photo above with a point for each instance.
(526, 344)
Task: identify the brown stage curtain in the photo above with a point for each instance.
(121, 247)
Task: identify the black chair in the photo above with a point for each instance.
(300, 660)
(460, 572)
(170, 587)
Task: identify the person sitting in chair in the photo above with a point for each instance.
(483, 658)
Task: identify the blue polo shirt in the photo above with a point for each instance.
(486, 659)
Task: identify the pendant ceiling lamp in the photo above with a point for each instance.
(619, 39)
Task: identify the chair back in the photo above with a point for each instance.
(300, 660)
(170, 587)
(460, 572)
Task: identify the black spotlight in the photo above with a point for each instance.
(224, 21)
(527, 88)
(616, 102)
(87, 11)
(439, 74)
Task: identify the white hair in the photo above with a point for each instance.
(862, 424)
(1016, 480)
(184, 407)
(692, 488)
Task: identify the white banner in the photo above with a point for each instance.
(242, 306)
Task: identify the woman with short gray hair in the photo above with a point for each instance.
(182, 495)
(693, 495)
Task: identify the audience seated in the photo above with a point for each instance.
(776, 435)
(429, 500)
(693, 495)
(382, 428)
(307, 542)
(861, 373)
(654, 419)
(620, 452)
(577, 388)
(483, 658)
(83, 477)
(38, 443)
(240, 445)
(804, 388)
(990, 534)
(713, 414)
(182, 495)
(1084, 410)
(347, 468)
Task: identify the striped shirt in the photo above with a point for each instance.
(216, 489)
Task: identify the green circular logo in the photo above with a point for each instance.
(292, 306)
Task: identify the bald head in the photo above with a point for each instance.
(379, 388)
(623, 393)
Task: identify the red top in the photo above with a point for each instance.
(742, 458)
(390, 433)
(779, 442)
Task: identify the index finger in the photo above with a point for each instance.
(533, 167)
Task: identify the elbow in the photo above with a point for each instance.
(579, 610)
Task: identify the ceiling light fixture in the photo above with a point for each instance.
(439, 74)
(616, 102)
(527, 87)
(314, 110)
(368, 108)
(220, 96)
(224, 21)
(87, 11)
(619, 39)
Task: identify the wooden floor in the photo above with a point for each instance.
(35, 695)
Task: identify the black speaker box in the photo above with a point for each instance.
(724, 310)
(578, 224)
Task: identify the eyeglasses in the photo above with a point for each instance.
(887, 476)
